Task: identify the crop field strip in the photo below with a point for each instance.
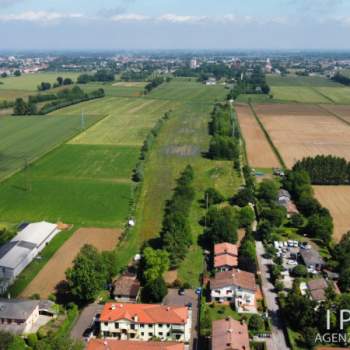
(259, 152)
(337, 200)
(25, 139)
(299, 131)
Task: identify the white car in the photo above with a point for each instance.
(295, 244)
(292, 262)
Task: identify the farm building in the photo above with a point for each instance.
(126, 289)
(24, 316)
(284, 200)
(312, 259)
(22, 249)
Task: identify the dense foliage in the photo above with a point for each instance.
(247, 253)
(100, 76)
(342, 79)
(325, 170)
(153, 84)
(176, 232)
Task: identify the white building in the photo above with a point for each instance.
(236, 287)
(193, 64)
(145, 322)
(22, 249)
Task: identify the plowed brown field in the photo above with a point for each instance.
(337, 200)
(259, 151)
(299, 131)
(53, 272)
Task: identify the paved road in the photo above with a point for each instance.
(173, 298)
(278, 340)
(85, 319)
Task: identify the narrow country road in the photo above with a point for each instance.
(277, 340)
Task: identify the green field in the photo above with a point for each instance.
(128, 123)
(30, 82)
(191, 91)
(294, 80)
(118, 89)
(24, 139)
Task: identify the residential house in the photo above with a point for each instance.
(22, 249)
(126, 289)
(225, 256)
(284, 199)
(312, 259)
(317, 289)
(145, 322)
(236, 286)
(229, 334)
(113, 344)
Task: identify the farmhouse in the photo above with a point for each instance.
(317, 289)
(22, 316)
(229, 334)
(235, 286)
(225, 256)
(22, 249)
(113, 344)
(126, 289)
(312, 259)
(145, 322)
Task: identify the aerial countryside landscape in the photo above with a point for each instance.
(174, 177)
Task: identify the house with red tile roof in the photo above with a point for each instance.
(145, 322)
(229, 334)
(236, 286)
(113, 344)
(225, 256)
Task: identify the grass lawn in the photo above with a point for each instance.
(24, 139)
(30, 82)
(85, 202)
(301, 94)
(101, 162)
(190, 91)
(33, 269)
(183, 140)
(128, 122)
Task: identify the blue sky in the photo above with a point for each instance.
(167, 24)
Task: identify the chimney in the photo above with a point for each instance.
(113, 307)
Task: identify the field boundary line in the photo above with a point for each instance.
(334, 114)
(322, 94)
(35, 159)
(242, 140)
(274, 148)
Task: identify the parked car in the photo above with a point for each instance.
(292, 262)
(182, 291)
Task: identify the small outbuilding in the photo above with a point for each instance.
(126, 289)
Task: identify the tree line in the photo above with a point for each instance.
(59, 100)
(224, 143)
(59, 82)
(341, 79)
(319, 220)
(154, 83)
(176, 234)
(325, 170)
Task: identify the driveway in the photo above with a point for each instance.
(85, 319)
(277, 340)
(173, 298)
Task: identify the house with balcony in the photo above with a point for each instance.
(237, 287)
(146, 322)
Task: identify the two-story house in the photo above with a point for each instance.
(146, 322)
(225, 256)
(236, 286)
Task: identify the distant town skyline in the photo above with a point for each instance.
(174, 24)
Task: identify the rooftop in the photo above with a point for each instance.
(225, 248)
(112, 344)
(229, 334)
(126, 286)
(225, 260)
(144, 313)
(17, 309)
(311, 257)
(235, 277)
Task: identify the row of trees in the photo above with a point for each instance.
(176, 234)
(59, 100)
(153, 84)
(59, 82)
(147, 144)
(100, 76)
(325, 170)
(319, 220)
(225, 135)
(342, 79)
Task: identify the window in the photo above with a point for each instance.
(142, 333)
(132, 335)
(168, 325)
(142, 325)
(116, 325)
(160, 333)
(160, 325)
(228, 291)
(106, 323)
(150, 334)
(132, 326)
